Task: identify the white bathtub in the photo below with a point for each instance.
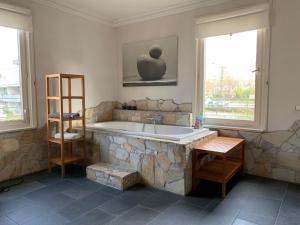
(166, 132)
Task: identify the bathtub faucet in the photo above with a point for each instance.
(155, 120)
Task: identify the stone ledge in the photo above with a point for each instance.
(112, 175)
(168, 118)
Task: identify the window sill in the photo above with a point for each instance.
(234, 128)
(12, 129)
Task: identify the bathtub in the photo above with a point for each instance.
(165, 132)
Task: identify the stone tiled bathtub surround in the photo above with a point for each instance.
(160, 164)
(272, 154)
(167, 118)
(112, 175)
(104, 110)
(164, 105)
(22, 152)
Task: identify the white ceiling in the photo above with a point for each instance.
(119, 11)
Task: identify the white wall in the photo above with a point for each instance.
(64, 43)
(284, 65)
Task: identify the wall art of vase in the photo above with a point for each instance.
(151, 62)
(152, 67)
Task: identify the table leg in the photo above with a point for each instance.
(223, 190)
(194, 168)
(224, 174)
(243, 159)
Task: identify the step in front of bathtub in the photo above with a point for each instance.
(112, 175)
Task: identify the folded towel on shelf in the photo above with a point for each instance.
(67, 135)
(65, 115)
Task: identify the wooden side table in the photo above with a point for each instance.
(221, 168)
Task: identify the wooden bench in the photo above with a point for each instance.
(222, 167)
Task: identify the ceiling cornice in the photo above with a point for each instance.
(172, 10)
(81, 13)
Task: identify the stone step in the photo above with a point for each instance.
(111, 175)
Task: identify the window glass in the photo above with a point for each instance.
(10, 76)
(229, 76)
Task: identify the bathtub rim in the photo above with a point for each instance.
(184, 141)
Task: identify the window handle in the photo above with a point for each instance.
(256, 70)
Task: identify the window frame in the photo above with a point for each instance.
(261, 87)
(27, 87)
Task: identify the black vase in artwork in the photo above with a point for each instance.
(152, 67)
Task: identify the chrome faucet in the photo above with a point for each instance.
(156, 119)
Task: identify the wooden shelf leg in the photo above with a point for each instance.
(49, 157)
(62, 160)
(84, 153)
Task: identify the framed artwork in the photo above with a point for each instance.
(150, 63)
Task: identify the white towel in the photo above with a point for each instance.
(67, 135)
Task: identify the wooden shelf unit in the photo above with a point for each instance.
(70, 157)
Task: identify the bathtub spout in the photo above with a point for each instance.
(143, 129)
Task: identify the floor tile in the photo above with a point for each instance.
(21, 189)
(112, 191)
(126, 200)
(47, 219)
(290, 204)
(136, 216)
(243, 222)
(50, 179)
(268, 188)
(9, 206)
(83, 181)
(261, 211)
(288, 219)
(201, 202)
(117, 206)
(51, 190)
(93, 217)
(220, 214)
(179, 214)
(24, 214)
(79, 191)
(6, 221)
(252, 201)
(293, 190)
(160, 200)
(54, 201)
(76, 208)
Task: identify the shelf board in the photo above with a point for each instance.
(70, 76)
(64, 97)
(64, 119)
(213, 170)
(53, 97)
(72, 97)
(58, 140)
(67, 159)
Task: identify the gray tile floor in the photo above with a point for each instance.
(49, 200)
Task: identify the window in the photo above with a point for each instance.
(11, 103)
(232, 88)
(16, 82)
(229, 76)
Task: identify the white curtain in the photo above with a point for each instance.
(15, 17)
(256, 17)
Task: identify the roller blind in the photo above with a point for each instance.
(253, 18)
(15, 17)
